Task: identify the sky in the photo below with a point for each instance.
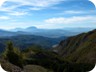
(49, 14)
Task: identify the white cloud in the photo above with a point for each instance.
(13, 8)
(77, 12)
(78, 19)
(8, 8)
(4, 18)
(33, 3)
(18, 13)
(37, 3)
(74, 12)
(1, 2)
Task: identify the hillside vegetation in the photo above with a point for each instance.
(80, 48)
(25, 41)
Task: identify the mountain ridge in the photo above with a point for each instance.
(79, 48)
(24, 41)
(51, 33)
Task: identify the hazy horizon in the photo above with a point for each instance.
(47, 28)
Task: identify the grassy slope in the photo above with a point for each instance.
(80, 48)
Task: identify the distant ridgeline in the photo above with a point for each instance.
(46, 38)
(25, 41)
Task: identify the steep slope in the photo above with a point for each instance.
(80, 48)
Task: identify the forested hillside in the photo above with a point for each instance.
(80, 48)
(25, 41)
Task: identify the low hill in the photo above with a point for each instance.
(25, 41)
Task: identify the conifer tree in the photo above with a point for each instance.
(13, 55)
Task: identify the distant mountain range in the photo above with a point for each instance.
(79, 49)
(46, 38)
(51, 33)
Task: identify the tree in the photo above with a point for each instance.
(13, 55)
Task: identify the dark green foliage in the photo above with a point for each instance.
(35, 55)
(54, 62)
(35, 48)
(13, 55)
(78, 67)
(14, 59)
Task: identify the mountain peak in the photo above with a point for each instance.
(32, 27)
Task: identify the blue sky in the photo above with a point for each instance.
(49, 14)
